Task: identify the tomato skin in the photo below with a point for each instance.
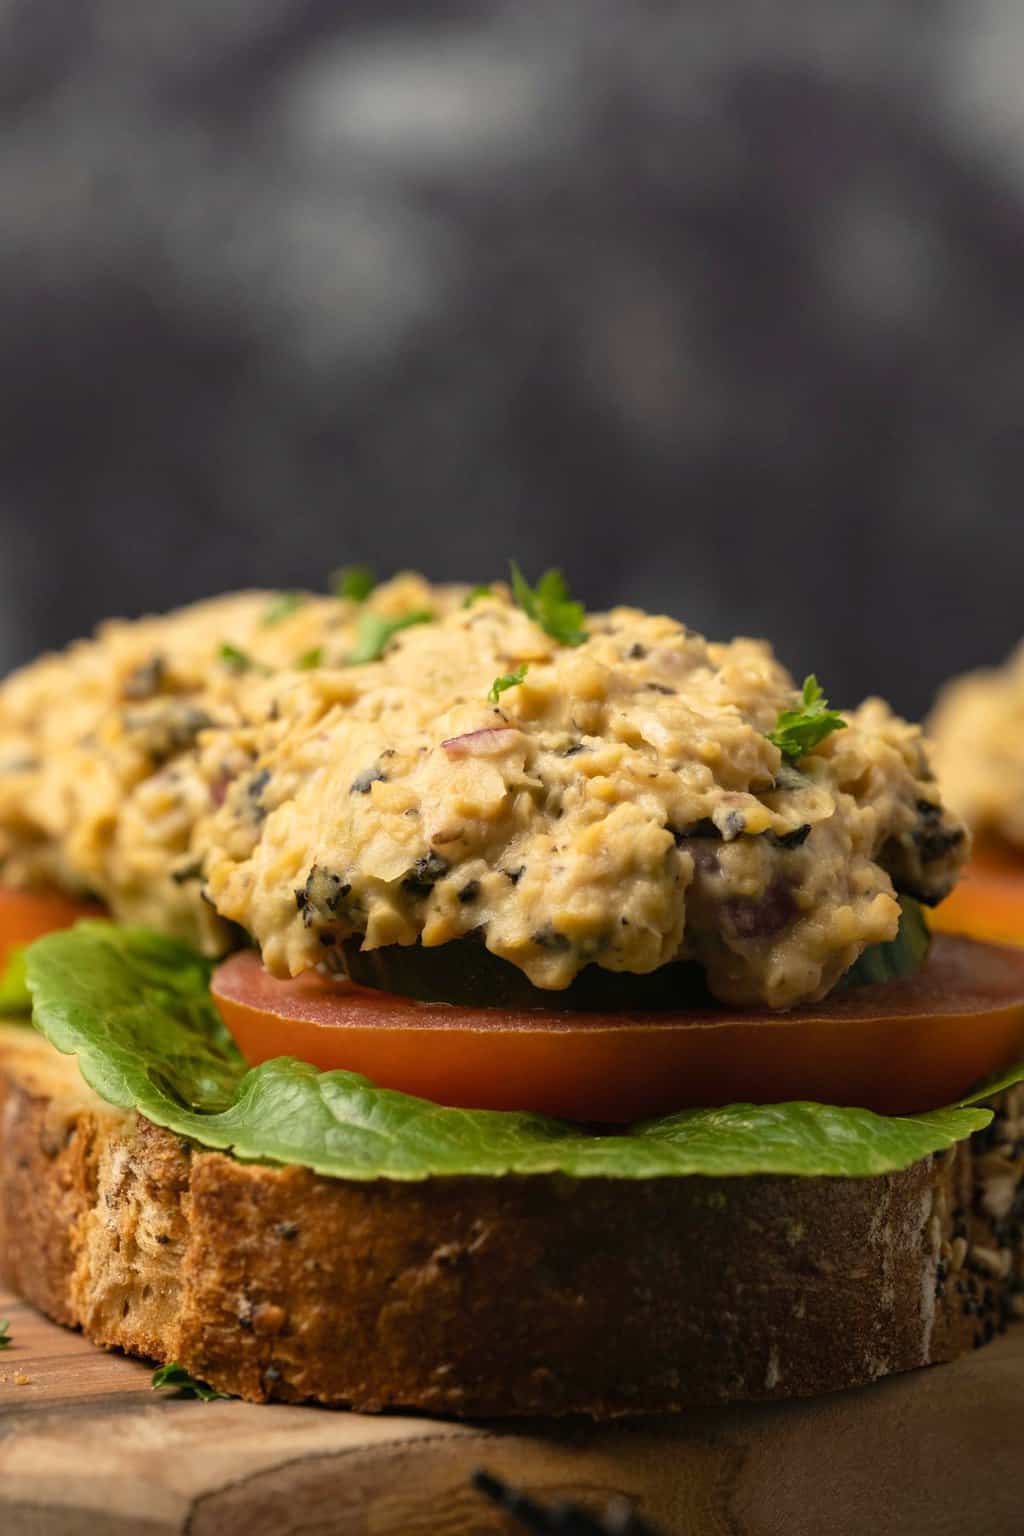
(988, 901)
(898, 1048)
(27, 915)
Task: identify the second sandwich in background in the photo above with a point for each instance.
(977, 728)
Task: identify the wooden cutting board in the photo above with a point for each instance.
(86, 1447)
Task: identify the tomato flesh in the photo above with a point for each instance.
(27, 915)
(899, 1047)
(988, 901)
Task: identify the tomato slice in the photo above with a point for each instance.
(27, 915)
(988, 901)
(898, 1047)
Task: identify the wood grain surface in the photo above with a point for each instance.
(86, 1447)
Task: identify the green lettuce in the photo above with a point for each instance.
(14, 994)
(902, 956)
(135, 1008)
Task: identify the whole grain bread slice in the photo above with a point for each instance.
(478, 1296)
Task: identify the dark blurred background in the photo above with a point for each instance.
(719, 307)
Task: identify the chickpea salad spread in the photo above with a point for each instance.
(978, 729)
(413, 765)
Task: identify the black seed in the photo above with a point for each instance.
(470, 891)
(577, 746)
(794, 839)
(637, 652)
(162, 1238)
(287, 1230)
(186, 872)
(659, 688)
(425, 874)
(515, 875)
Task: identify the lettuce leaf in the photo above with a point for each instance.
(14, 994)
(135, 1008)
(902, 956)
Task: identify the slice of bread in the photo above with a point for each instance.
(478, 1296)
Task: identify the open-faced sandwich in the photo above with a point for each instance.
(978, 728)
(486, 1007)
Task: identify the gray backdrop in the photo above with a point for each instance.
(717, 306)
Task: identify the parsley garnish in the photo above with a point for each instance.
(174, 1375)
(282, 606)
(353, 581)
(507, 680)
(798, 731)
(375, 631)
(313, 658)
(5, 1332)
(549, 605)
(480, 590)
(232, 656)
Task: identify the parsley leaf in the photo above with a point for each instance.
(5, 1332)
(174, 1375)
(480, 590)
(375, 631)
(313, 658)
(549, 605)
(507, 680)
(241, 661)
(353, 581)
(799, 731)
(233, 657)
(282, 607)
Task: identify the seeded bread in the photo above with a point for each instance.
(491, 1297)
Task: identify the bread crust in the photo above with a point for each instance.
(493, 1297)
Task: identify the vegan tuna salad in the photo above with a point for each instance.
(414, 940)
(624, 800)
(115, 751)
